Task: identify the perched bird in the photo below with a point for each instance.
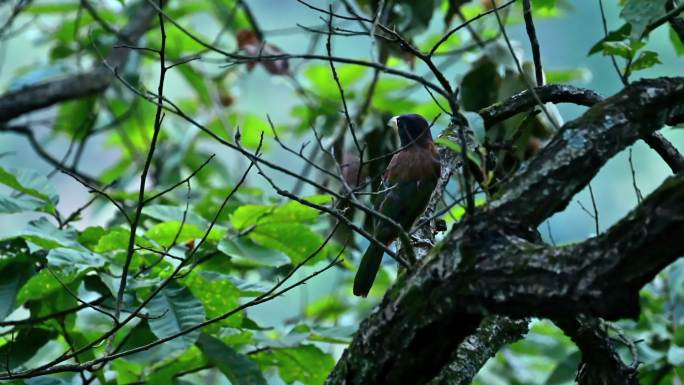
(407, 185)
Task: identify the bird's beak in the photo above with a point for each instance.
(393, 123)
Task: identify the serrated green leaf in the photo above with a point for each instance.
(172, 310)
(237, 368)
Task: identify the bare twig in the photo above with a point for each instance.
(534, 43)
(146, 168)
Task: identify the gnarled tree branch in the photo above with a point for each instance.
(495, 262)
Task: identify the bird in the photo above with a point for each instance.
(407, 184)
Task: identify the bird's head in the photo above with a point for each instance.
(412, 128)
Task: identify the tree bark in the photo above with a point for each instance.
(495, 262)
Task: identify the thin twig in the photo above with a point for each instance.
(534, 43)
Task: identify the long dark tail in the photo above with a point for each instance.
(368, 269)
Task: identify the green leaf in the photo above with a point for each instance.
(455, 147)
(480, 85)
(12, 205)
(165, 213)
(13, 251)
(164, 233)
(544, 3)
(47, 380)
(173, 310)
(139, 336)
(620, 34)
(296, 240)
(29, 182)
(237, 368)
(646, 59)
(617, 48)
(54, 7)
(166, 372)
(115, 239)
(245, 252)
(44, 234)
(639, 13)
(306, 364)
(44, 283)
(562, 76)
(90, 236)
(676, 42)
(76, 117)
(14, 277)
(25, 345)
(74, 261)
(285, 228)
(565, 371)
(218, 295)
(320, 77)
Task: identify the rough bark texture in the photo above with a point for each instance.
(601, 364)
(495, 262)
(41, 95)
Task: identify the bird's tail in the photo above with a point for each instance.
(368, 269)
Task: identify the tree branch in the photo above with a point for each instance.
(569, 161)
(601, 363)
(37, 96)
(496, 263)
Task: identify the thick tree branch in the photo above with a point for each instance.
(601, 364)
(555, 93)
(467, 360)
(37, 96)
(569, 161)
(495, 262)
(523, 101)
(667, 151)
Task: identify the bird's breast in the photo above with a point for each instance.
(419, 164)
